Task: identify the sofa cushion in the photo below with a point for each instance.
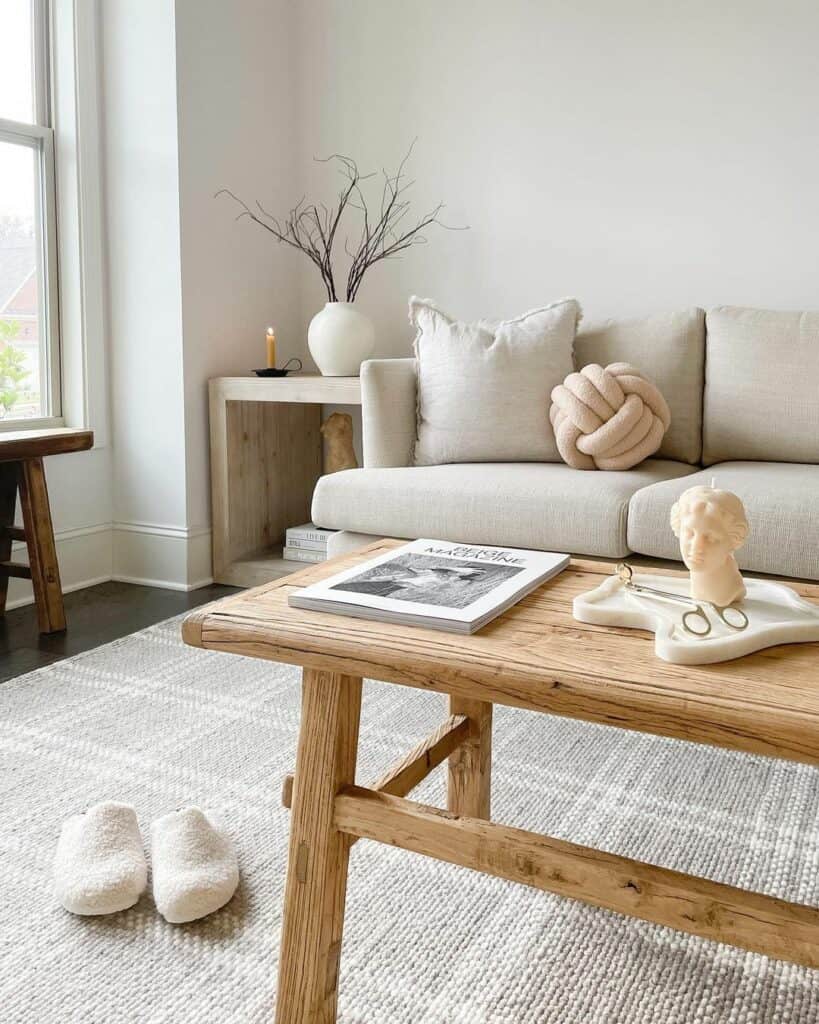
(484, 388)
(782, 504)
(761, 386)
(545, 506)
(344, 542)
(669, 349)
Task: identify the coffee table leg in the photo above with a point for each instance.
(470, 767)
(316, 884)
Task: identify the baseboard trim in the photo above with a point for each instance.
(21, 602)
(161, 529)
(158, 555)
(145, 554)
(144, 581)
(63, 535)
(84, 557)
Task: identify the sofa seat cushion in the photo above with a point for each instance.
(545, 506)
(782, 504)
(344, 542)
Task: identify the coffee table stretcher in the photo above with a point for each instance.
(330, 812)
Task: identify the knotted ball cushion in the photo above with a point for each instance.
(610, 418)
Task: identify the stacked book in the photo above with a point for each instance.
(306, 543)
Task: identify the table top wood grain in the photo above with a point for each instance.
(536, 656)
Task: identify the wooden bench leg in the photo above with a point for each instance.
(316, 886)
(470, 767)
(42, 554)
(8, 502)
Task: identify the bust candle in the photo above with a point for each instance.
(270, 339)
(711, 525)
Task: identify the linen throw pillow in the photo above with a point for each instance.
(484, 388)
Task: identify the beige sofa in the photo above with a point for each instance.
(743, 387)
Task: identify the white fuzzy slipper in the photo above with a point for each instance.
(193, 864)
(100, 865)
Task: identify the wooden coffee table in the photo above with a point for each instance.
(537, 657)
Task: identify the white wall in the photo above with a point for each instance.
(145, 307)
(196, 94)
(237, 107)
(640, 155)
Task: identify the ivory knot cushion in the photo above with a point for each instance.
(483, 388)
(610, 418)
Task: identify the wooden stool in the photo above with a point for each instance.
(21, 467)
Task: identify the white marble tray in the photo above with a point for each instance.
(776, 615)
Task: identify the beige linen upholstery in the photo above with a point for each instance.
(388, 410)
(483, 388)
(345, 541)
(782, 504)
(669, 349)
(761, 386)
(545, 506)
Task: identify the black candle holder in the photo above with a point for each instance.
(276, 371)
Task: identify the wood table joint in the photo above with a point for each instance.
(406, 773)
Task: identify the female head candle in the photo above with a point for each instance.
(711, 525)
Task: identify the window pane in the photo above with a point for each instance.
(23, 328)
(16, 61)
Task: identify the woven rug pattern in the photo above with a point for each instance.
(151, 721)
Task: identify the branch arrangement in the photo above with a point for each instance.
(311, 228)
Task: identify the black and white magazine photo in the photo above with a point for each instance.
(430, 579)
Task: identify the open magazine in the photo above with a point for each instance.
(453, 587)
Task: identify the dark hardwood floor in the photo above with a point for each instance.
(95, 616)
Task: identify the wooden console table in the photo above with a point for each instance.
(265, 459)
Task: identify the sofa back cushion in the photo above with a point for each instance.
(761, 386)
(484, 388)
(669, 349)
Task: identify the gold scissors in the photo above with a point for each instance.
(694, 615)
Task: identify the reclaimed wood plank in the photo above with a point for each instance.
(711, 910)
(469, 779)
(315, 890)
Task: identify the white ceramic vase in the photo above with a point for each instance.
(340, 338)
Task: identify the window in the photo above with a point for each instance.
(29, 352)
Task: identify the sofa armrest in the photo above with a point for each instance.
(388, 412)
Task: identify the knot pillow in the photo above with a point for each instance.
(610, 418)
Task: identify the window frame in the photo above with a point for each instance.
(39, 137)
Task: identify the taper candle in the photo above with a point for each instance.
(271, 347)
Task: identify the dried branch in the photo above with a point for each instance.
(386, 238)
(312, 229)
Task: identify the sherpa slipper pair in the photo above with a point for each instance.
(100, 864)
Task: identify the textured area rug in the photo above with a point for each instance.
(151, 721)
